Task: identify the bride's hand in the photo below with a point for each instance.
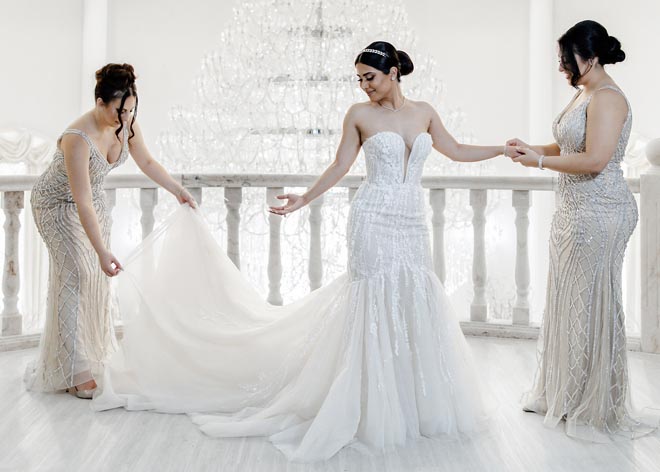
(294, 202)
(511, 145)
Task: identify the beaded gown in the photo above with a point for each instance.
(373, 359)
(582, 375)
(79, 333)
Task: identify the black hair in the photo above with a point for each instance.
(117, 81)
(588, 39)
(388, 58)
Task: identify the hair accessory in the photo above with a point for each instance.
(376, 51)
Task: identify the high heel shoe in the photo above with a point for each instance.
(84, 394)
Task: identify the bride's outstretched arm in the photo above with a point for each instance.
(445, 143)
(348, 149)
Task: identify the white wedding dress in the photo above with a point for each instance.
(373, 359)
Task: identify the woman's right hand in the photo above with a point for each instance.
(294, 202)
(109, 264)
(514, 143)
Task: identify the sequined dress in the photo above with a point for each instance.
(78, 333)
(374, 359)
(582, 376)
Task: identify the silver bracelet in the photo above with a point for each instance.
(541, 161)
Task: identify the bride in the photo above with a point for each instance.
(375, 358)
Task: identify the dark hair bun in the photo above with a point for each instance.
(117, 76)
(615, 53)
(406, 63)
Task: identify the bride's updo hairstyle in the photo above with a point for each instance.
(117, 81)
(588, 39)
(382, 56)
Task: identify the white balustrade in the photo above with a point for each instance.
(315, 256)
(233, 199)
(521, 202)
(479, 306)
(648, 186)
(275, 250)
(437, 201)
(148, 202)
(12, 321)
(650, 250)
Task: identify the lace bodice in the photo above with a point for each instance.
(605, 189)
(53, 188)
(385, 155)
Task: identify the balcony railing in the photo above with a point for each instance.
(648, 186)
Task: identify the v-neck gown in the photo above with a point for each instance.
(582, 376)
(78, 334)
(373, 359)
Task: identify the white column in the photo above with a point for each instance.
(275, 252)
(12, 321)
(542, 60)
(94, 48)
(148, 201)
(315, 259)
(521, 202)
(650, 249)
(479, 306)
(233, 199)
(437, 200)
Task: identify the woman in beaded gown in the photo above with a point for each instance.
(582, 376)
(374, 359)
(72, 215)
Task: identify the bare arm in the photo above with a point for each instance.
(445, 143)
(76, 160)
(606, 115)
(154, 170)
(348, 149)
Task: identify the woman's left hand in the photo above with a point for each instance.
(183, 196)
(527, 157)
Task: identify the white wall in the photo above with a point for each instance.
(481, 48)
(39, 72)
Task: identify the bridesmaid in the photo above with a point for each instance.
(72, 215)
(582, 376)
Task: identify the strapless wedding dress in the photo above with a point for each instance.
(374, 359)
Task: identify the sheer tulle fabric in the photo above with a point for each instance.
(373, 359)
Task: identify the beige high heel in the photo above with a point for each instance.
(84, 394)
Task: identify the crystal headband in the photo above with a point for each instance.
(376, 51)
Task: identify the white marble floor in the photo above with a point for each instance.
(60, 433)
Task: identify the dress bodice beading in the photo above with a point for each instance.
(601, 191)
(385, 155)
(53, 187)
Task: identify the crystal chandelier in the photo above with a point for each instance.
(271, 98)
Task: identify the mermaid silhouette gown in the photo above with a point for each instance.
(582, 375)
(374, 358)
(79, 330)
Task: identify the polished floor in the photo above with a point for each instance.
(60, 433)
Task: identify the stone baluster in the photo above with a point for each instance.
(12, 320)
(479, 306)
(650, 249)
(275, 252)
(233, 200)
(148, 202)
(437, 200)
(315, 259)
(521, 202)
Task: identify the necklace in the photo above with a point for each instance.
(392, 108)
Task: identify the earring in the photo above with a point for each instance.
(392, 78)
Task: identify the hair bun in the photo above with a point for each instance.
(615, 53)
(406, 64)
(122, 75)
